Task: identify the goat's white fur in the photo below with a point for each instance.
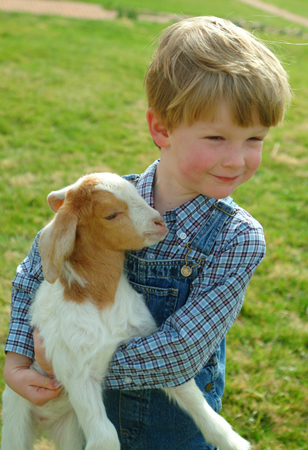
(80, 339)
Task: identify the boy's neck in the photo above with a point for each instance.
(166, 195)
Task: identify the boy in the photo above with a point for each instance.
(213, 92)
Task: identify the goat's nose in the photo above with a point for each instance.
(160, 222)
(161, 225)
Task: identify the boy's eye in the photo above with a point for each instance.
(112, 216)
(256, 139)
(214, 138)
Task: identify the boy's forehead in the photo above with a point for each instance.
(223, 112)
(222, 120)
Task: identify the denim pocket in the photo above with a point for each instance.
(207, 381)
(161, 302)
(211, 379)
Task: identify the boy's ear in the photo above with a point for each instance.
(157, 130)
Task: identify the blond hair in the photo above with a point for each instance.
(203, 60)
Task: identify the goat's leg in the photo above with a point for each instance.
(215, 429)
(18, 427)
(67, 434)
(86, 399)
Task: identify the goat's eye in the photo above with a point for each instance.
(112, 216)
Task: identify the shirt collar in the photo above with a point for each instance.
(145, 182)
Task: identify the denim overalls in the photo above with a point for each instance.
(146, 419)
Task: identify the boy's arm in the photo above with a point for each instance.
(19, 347)
(29, 276)
(28, 383)
(186, 341)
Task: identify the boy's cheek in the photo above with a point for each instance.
(248, 175)
(255, 163)
(196, 164)
(190, 171)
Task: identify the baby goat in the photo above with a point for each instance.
(85, 309)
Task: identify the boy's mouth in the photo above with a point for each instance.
(226, 179)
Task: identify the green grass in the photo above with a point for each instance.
(72, 102)
(196, 7)
(295, 6)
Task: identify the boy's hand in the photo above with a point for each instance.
(28, 383)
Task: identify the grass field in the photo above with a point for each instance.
(296, 6)
(231, 8)
(72, 102)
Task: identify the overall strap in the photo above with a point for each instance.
(221, 213)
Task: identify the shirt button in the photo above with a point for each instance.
(150, 256)
(127, 380)
(182, 235)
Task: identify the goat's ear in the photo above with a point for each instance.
(56, 199)
(57, 242)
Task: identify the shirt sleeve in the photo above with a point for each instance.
(28, 278)
(186, 341)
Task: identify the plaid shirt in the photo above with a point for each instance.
(184, 343)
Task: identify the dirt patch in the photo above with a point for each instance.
(78, 10)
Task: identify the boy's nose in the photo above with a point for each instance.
(234, 157)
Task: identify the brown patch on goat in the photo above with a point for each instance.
(99, 244)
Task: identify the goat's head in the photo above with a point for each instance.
(103, 210)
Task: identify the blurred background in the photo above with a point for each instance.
(72, 102)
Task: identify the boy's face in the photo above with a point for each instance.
(213, 157)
